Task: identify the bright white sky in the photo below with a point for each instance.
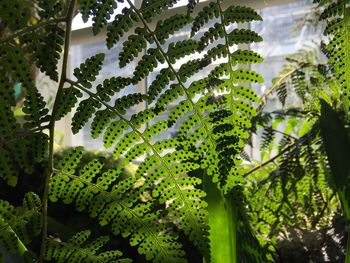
(79, 24)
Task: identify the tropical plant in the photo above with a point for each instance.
(299, 187)
(290, 187)
(162, 206)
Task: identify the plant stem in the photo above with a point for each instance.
(270, 160)
(347, 252)
(263, 98)
(222, 219)
(68, 20)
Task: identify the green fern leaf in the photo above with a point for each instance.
(212, 34)
(39, 145)
(46, 47)
(88, 70)
(7, 164)
(50, 8)
(110, 87)
(120, 25)
(126, 102)
(15, 14)
(282, 93)
(242, 36)
(162, 80)
(209, 12)
(20, 225)
(8, 122)
(131, 48)
(240, 14)
(100, 122)
(181, 49)
(104, 200)
(69, 99)
(245, 57)
(143, 117)
(211, 136)
(169, 96)
(113, 132)
(99, 11)
(337, 16)
(84, 112)
(147, 64)
(191, 67)
(151, 8)
(34, 108)
(75, 249)
(170, 25)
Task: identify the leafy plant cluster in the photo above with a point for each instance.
(191, 192)
(164, 198)
(299, 184)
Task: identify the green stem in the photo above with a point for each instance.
(272, 159)
(232, 212)
(223, 218)
(264, 97)
(347, 252)
(68, 20)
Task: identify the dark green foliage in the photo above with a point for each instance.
(337, 17)
(15, 13)
(69, 99)
(19, 225)
(50, 8)
(100, 11)
(76, 249)
(337, 146)
(88, 71)
(45, 46)
(169, 26)
(209, 12)
(131, 48)
(161, 206)
(104, 198)
(151, 8)
(294, 188)
(121, 24)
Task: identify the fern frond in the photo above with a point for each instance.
(69, 99)
(45, 45)
(181, 49)
(50, 8)
(103, 195)
(20, 225)
(203, 140)
(170, 25)
(337, 16)
(282, 93)
(88, 70)
(240, 14)
(267, 137)
(15, 14)
(76, 249)
(209, 12)
(131, 48)
(150, 8)
(100, 11)
(161, 82)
